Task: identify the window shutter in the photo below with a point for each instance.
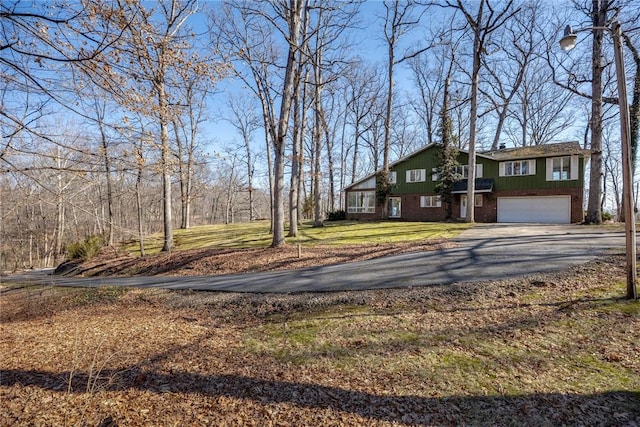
(438, 202)
(408, 176)
(532, 167)
(501, 169)
(479, 170)
(574, 167)
(550, 169)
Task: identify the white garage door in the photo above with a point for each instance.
(547, 209)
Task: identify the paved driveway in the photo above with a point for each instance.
(484, 252)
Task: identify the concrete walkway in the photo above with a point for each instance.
(484, 252)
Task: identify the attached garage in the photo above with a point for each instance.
(536, 209)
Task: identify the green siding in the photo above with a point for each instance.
(424, 160)
(539, 180)
(490, 169)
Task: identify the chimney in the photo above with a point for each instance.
(502, 146)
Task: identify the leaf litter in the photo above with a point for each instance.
(554, 349)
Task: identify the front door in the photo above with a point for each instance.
(463, 206)
(395, 207)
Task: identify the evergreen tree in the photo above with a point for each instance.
(447, 156)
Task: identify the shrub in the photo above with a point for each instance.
(336, 215)
(86, 249)
(607, 216)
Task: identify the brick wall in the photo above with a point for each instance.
(488, 212)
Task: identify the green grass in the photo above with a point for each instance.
(528, 349)
(256, 234)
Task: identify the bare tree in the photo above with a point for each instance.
(241, 25)
(541, 110)
(508, 65)
(400, 17)
(363, 89)
(40, 43)
(482, 25)
(245, 120)
(186, 126)
(157, 42)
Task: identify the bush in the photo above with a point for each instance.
(336, 216)
(607, 216)
(86, 249)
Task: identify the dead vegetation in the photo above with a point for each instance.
(213, 261)
(555, 349)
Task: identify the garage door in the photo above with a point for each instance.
(548, 209)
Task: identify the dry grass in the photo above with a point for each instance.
(557, 349)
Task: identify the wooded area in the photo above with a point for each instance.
(120, 118)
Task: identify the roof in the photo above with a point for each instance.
(545, 150)
(483, 185)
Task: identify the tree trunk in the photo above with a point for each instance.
(140, 161)
(60, 210)
(594, 214)
(294, 18)
(166, 174)
(354, 164)
(296, 163)
(107, 169)
(317, 137)
(475, 81)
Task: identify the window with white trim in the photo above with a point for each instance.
(416, 175)
(430, 202)
(477, 200)
(461, 170)
(562, 168)
(361, 202)
(393, 177)
(518, 168)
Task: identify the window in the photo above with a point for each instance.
(477, 200)
(462, 171)
(366, 184)
(393, 177)
(562, 168)
(361, 202)
(416, 175)
(518, 167)
(430, 202)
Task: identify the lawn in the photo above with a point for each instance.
(256, 234)
(554, 349)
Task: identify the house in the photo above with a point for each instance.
(539, 184)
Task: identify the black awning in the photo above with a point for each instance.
(483, 185)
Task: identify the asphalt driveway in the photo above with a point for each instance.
(484, 252)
